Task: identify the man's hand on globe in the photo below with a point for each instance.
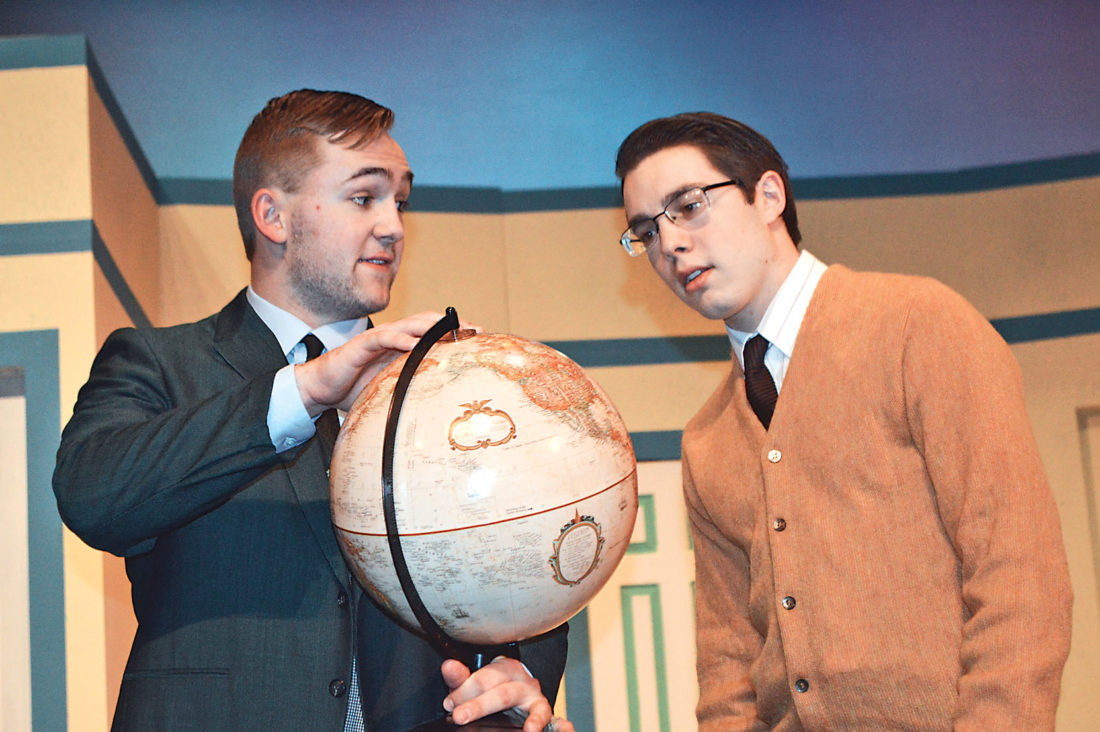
(503, 684)
(335, 378)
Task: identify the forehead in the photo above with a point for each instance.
(381, 157)
(659, 175)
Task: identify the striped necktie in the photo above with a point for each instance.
(759, 385)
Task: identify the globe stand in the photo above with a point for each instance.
(475, 657)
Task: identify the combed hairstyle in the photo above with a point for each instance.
(279, 148)
(732, 147)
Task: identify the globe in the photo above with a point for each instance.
(514, 488)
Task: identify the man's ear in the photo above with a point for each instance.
(771, 195)
(269, 216)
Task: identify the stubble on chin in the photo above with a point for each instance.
(325, 291)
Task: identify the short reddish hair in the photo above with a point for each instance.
(279, 148)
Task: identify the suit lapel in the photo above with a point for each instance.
(246, 344)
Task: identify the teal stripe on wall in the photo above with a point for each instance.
(28, 52)
(657, 445)
(447, 199)
(685, 349)
(35, 353)
(50, 237)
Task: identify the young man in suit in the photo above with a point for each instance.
(192, 453)
(876, 544)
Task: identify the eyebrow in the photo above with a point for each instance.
(379, 172)
(669, 198)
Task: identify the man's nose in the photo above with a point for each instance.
(673, 239)
(390, 226)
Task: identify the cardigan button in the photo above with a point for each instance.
(341, 599)
(774, 456)
(788, 603)
(802, 686)
(337, 687)
(779, 524)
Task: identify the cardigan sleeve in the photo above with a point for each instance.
(726, 642)
(965, 405)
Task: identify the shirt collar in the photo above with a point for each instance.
(785, 312)
(289, 329)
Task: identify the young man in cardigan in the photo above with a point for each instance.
(876, 543)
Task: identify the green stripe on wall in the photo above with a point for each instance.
(652, 594)
(649, 519)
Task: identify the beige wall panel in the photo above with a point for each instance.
(568, 279)
(1061, 377)
(453, 259)
(15, 647)
(1015, 251)
(659, 397)
(56, 291)
(109, 313)
(670, 566)
(44, 145)
(202, 262)
(119, 626)
(123, 208)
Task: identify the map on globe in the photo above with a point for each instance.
(514, 482)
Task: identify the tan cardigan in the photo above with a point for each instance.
(888, 556)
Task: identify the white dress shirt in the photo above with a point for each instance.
(783, 317)
(288, 422)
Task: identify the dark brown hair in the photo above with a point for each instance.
(732, 147)
(279, 148)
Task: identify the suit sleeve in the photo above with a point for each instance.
(140, 457)
(965, 404)
(726, 641)
(544, 657)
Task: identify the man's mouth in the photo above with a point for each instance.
(692, 275)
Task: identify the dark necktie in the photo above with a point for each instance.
(759, 385)
(328, 424)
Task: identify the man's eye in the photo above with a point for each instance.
(691, 207)
(362, 200)
(648, 236)
(402, 206)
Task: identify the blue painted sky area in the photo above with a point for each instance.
(535, 95)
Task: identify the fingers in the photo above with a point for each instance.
(557, 724)
(335, 378)
(455, 673)
(503, 684)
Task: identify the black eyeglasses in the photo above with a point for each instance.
(686, 210)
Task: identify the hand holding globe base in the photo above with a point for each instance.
(474, 657)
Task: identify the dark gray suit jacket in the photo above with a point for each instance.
(247, 615)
